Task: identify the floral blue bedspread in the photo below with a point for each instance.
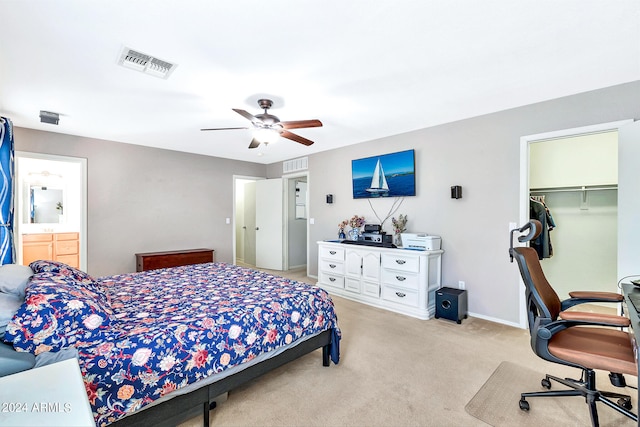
(169, 328)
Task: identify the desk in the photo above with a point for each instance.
(627, 290)
(53, 395)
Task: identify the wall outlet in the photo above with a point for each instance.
(461, 285)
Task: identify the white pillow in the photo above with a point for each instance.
(14, 279)
(9, 305)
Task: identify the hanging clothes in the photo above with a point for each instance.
(539, 210)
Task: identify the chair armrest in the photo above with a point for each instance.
(599, 319)
(600, 296)
(583, 297)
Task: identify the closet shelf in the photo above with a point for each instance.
(576, 188)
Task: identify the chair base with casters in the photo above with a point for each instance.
(585, 387)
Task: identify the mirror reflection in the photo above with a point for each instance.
(45, 205)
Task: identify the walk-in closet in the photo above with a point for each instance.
(575, 179)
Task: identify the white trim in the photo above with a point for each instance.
(524, 176)
(496, 320)
(285, 186)
(83, 205)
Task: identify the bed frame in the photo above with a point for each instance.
(181, 408)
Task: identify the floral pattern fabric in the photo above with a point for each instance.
(172, 327)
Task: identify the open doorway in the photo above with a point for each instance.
(581, 196)
(51, 209)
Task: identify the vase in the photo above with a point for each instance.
(398, 240)
(341, 234)
(354, 234)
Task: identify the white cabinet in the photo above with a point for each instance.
(400, 280)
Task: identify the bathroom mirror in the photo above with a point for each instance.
(46, 205)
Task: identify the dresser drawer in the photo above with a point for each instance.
(401, 296)
(352, 285)
(67, 236)
(371, 289)
(332, 266)
(66, 247)
(332, 253)
(401, 262)
(331, 280)
(401, 279)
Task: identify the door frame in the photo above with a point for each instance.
(233, 217)
(83, 204)
(285, 186)
(525, 142)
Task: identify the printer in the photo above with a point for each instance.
(420, 241)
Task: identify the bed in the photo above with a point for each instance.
(156, 347)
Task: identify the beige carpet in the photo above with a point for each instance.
(496, 403)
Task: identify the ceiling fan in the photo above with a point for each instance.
(268, 127)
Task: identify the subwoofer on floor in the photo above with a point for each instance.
(451, 304)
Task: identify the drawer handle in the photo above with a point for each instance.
(401, 295)
(332, 265)
(400, 278)
(401, 261)
(332, 279)
(332, 252)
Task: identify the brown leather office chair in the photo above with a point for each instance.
(587, 341)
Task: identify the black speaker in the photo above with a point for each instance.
(456, 192)
(451, 304)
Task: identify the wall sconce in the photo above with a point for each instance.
(456, 192)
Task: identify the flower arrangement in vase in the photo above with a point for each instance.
(341, 228)
(399, 227)
(355, 223)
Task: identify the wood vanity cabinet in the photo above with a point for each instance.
(62, 247)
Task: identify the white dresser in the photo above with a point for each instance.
(400, 280)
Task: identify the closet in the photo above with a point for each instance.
(577, 178)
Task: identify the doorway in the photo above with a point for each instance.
(51, 209)
(270, 222)
(576, 202)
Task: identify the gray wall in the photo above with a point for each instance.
(482, 155)
(144, 199)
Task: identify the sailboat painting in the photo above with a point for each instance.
(389, 175)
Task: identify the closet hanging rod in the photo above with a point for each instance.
(567, 189)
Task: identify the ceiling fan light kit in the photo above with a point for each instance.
(268, 128)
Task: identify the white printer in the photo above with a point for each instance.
(420, 241)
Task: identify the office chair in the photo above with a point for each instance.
(587, 341)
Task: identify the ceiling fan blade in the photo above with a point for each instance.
(254, 143)
(296, 138)
(224, 128)
(297, 124)
(246, 115)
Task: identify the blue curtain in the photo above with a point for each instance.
(7, 249)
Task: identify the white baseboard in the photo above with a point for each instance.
(496, 320)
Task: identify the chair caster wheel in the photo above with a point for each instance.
(625, 402)
(524, 405)
(545, 383)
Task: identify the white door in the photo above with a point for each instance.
(628, 200)
(249, 227)
(269, 224)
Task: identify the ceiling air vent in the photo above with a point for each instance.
(145, 63)
(295, 165)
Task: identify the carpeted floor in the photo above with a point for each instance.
(496, 403)
(396, 371)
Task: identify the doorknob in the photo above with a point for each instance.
(257, 228)
(244, 227)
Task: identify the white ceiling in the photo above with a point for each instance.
(366, 69)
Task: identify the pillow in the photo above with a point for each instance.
(14, 279)
(62, 269)
(9, 305)
(57, 268)
(57, 313)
